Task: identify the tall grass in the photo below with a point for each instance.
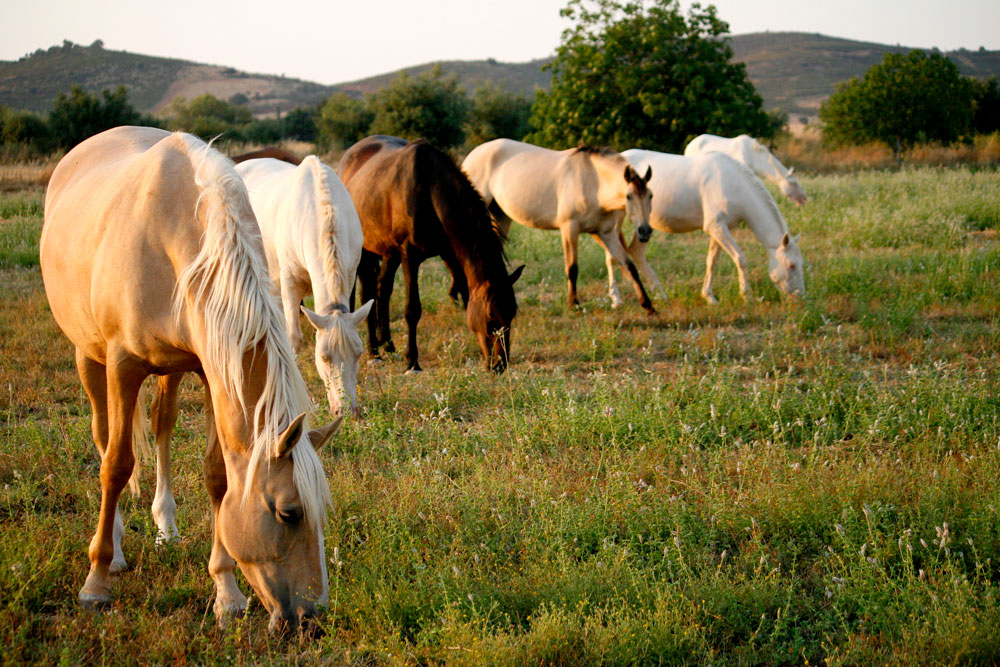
(759, 483)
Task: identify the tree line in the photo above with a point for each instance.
(626, 74)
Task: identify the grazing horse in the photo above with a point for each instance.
(153, 265)
(312, 238)
(579, 190)
(269, 151)
(713, 192)
(750, 152)
(415, 203)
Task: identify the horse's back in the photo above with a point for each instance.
(115, 237)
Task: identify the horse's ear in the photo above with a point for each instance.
(319, 437)
(784, 240)
(359, 315)
(629, 174)
(649, 174)
(315, 319)
(515, 274)
(797, 237)
(791, 170)
(290, 437)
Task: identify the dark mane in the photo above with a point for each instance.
(462, 211)
(595, 150)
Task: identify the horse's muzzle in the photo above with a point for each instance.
(644, 233)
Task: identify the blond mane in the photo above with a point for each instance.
(228, 285)
(334, 272)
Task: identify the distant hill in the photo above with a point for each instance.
(796, 71)
(33, 82)
(793, 71)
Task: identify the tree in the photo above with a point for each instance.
(640, 74)
(903, 100)
(79, 115)
(985, 105)
(496, 113)
(208, 117)
(430, 106)
(342, 121)
(24, 133)
(299, 124)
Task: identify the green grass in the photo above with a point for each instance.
(760, 483)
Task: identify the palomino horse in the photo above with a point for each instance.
(415, 203)
(713, 192)
(153, 265)
(312, 237)
(269, 151)
(579, 190)
(750, 152)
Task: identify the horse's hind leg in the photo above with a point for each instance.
(164, 416)
(613, 293)
(411, 267)
(706, 288)
(368, 277)
(124, 379)
(385, 279)
(93, 376)
(229, 599)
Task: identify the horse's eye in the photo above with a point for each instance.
(291, 516)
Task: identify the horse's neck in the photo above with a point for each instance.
(763, 217)
(769, 165)
(613, 187)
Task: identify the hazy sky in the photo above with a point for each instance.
(333, 41)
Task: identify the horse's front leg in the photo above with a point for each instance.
(459, 285)
(368, 277)
(385, 279)
(93, 376)
(124, 378)
(613, 293)
(570, 238)
(723, 236)
(706, 288)
(164, 415)
(611, 240)
(229, 599)
(411, 267)
(637, 251)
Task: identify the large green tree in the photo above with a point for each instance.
(79, 114)
(431, 106)
(903, 100)
(641, 74)
(342, 121)
(496, 113)
(209, 117)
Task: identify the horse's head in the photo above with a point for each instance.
(338, 353)
(489, 314)
(791, 188)
(638, 201)
(786, 267)
(271, 521)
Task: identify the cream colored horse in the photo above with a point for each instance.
(750, 152)
(312, 237)
(582, 190)
(153, 265)
(714, 192)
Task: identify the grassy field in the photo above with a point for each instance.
(761, 483)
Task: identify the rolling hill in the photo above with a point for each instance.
(793, 72)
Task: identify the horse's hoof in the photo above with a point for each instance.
(389, 347)
(94, 601)
(414, 370)
(117, 566)
(374, 361)
(164, 537)
(616, 303)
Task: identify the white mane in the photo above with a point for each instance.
(764, 194)
(334, 269)
(228, 284)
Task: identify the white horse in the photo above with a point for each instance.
(750, 152)
(578, 190)
(713, 192)
(312, 237)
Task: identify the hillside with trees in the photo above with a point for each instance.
(793, 72)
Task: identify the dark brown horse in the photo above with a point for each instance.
(269, 151)
(414, 203)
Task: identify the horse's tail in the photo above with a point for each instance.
(327, 228)
(141, 448)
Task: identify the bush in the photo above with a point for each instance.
(80, 115)
(430, 106)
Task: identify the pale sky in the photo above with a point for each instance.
(334, 41)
